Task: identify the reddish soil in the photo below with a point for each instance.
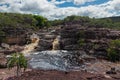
(6, 73)
(99, 69)
(59, 75)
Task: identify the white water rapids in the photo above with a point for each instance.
(30, 47)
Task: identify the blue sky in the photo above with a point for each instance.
(69, 4)
(59, 9)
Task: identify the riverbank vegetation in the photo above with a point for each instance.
(113, 50)
(35, 21)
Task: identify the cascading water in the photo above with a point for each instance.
(56, 43)
(30, 47)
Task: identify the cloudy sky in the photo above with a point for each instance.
(58, 9)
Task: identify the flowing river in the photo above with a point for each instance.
(54, 59)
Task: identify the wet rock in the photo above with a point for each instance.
(71, 47)
(44, 45)
(49, 36)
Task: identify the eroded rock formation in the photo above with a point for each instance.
(93, 41)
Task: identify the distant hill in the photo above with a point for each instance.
(16, 20)
(115, 19)
(16, 24)
(21, 20)
(110, 22)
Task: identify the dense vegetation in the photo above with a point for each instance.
(21, 20)
(15, 21)
(110, 22)
(34, 21)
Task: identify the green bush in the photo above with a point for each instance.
(18, 60)
(115, 43)
(114, 51)
(81, 42)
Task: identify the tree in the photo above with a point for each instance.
(18, 60)
(41, 21)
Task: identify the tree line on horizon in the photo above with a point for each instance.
(85, 21)
(28, 20)
(17, 20)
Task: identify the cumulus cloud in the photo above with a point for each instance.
(51, 11)
(115, 4)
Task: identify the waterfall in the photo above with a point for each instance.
(56, 43)
(30, 47)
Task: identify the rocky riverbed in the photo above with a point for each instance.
(65, 65)
(74, 62)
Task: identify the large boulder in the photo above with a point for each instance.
(44, 45)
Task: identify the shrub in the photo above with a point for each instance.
(18, 60)
(114, 51)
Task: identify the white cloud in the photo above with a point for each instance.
(115, 4)
(51, 11)
(5, 1)
(58, 2)
(79, 2)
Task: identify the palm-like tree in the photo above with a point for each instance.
(18, 60)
